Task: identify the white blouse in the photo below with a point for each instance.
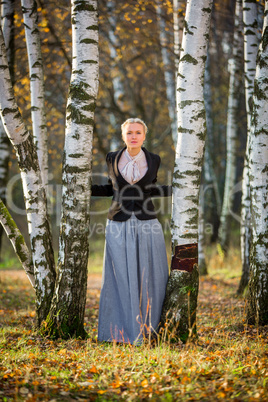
(132, 168)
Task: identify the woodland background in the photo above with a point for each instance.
(229, 359)
(132, 83)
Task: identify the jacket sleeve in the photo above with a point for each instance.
(105, 190)
(160, 191)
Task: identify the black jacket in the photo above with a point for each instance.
(128, 198)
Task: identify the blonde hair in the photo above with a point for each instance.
(134, 120)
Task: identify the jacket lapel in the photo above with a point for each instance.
(117, 172)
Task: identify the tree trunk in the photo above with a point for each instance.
(251, 42)
(66, 317)
(169, 72)
(182, 290)
(7, 23)
(30, 17)
(235, 68)
(178, 20)
(34, 193)
(17, 242)
(212, 203)
(202, 265)
(257, 302)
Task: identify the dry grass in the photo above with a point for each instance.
(228, 362)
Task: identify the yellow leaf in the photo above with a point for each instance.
(62, 352)
(144, 383)
(93, 369)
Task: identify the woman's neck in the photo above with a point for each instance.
(133, 151)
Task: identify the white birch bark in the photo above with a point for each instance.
(7, 23)
(178, 29)
(30, 17)
(34, 194)
(191, 123)
(257, 306)
(235, 68)
(168, 72)
(182, 288)
(66, 316)
(251, 42)
(17, 242)
(7, 16)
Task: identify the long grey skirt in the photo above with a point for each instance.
(134, 279)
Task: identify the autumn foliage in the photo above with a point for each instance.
(228, 361)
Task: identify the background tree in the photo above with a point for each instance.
(235, 68)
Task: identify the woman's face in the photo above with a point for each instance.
(133, 135)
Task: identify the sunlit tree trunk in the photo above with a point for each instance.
(235, 84)
(251, 43)
(7, 23)
(34, 192)
(257, 303)
(178, 19)
(169, 72)
(66, 317)
(29, 9)
(182, 288)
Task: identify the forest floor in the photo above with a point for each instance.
(229, 361)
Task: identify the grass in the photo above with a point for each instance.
(228, 362)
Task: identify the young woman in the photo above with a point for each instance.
(135, 268)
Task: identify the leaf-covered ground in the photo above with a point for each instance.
(228, 362)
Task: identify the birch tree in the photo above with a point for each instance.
(30, 17)
(235, 67)
(168, 70)
(66, 316)
(257, 301)
(251, 42)
(182, 289)
(7, 23)
(178, 20)
(34, 193)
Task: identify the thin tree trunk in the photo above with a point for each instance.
(235, 68)
(251, 42)
(30, 17)
(257, 301)
(17, 242)
(202, 265)
(66, 317)
(169, 72)
(212, 197)
(178, 20)
(182, 289)
(35, 197)
(7, 23)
